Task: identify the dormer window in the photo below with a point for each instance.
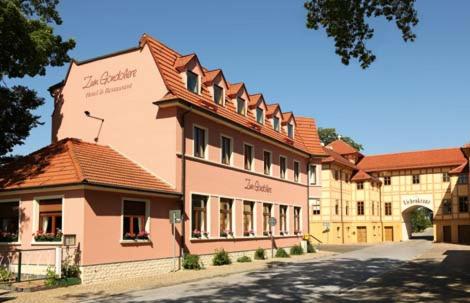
(259, 115)
(290, 131)
(241, 106)
(218, 95)
(192, 82)
(276, 123)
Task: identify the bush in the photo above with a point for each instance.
(244, 259)
(52, 278)
(221, 258)
(70, 267)
(281, 253)
(310, 248)
(296, 250)
(259, 254)
(191, 262)
(5, 275)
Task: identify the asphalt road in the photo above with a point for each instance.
(330, 279)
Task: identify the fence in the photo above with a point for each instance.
(29, 264)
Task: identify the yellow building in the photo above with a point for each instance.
(370, 199)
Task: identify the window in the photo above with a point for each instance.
(134, 220)
(315, 207)
(360, 208)
(9, 221)
(199, 216)
(248, 225)
(240, 106)
(276, 123)
(266, 215)
(360, 186)
(415, 179)
(226, 150)
(283, 219)
(290, 131)
(387, 180)
(373, 208)
(463, 179)
(297, 229)
(346, 178)
(259, 115)
(50, 216)
(337, 207)
(388, 208)
(445, 177)
(282, 167)
(347, 208)
(446, 207)
(312, 174)
(296, 171)
(267, 163)
(463, 204)
(336, 175)
(218, 95)
(248, 153)
(225, 217)
(192, 82)
(199, 142)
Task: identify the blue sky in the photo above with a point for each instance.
(415, 96)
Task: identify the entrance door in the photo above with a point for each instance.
(388, 233)
(361, 234)
(464, 234)
(447, 231)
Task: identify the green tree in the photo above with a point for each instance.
(328, 135)
(27, 46)
(421, 219)
(347, 22)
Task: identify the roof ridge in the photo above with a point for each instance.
(414, 151)
(76, 164)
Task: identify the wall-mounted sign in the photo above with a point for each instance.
(257, 186)
(102, 84)
(417, 200)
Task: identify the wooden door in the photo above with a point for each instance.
(447, 231)
(361, 234)
(388, 230)
(464, 234)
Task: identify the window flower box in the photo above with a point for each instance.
(142, 235)
(198, 234)
(6, 237)
(298, 232)
(267, 233)
(249, 233)
(284, 233)
(226, 233)
(41, 236)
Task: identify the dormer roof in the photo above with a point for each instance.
(287, 117)
(272, 109)
(235, 88)
(182, 62)
(210, 76)
(255, 100)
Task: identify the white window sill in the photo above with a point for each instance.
(10, 243)
(47, 243)
(137, 241)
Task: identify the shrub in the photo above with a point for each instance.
(281, 253)
(296, 250)
(70, 267)
(244, 259)
(259, 254)
(52, 279)
(310, 248)
(5, 275)
(191, 262)
(221, 258)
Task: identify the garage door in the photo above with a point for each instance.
(388, 233)
(464, 234)
(361, 234)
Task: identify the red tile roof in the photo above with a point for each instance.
(209, 76)
(462, 168)
(342, 147)
(182, 62)
(362, 176)
(271, 109)
(72, 161)
(335, 157)
(165, 58)
(416, 159)
(307, 129)
(254, 99)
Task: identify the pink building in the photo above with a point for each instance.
(156, 131)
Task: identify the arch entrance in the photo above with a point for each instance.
(409, 206)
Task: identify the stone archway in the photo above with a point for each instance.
(409, 204)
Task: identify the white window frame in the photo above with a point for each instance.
(313, 204)
(231, 149)
(208, 217)
(19, 220)
(147, 216)
(293, 130)
(286, 176)
(262, 115)
(312, 171)
(278, 124)
(300, 170)
(206, 139)
(245, 105)
(270, 161)
(35, 225)
(198, 81)
(252, 168)
(223, 94)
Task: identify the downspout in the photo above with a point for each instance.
(341, 200)
(308, 197)
(380, 213)
(183, 181)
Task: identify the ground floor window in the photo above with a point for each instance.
(283, 219)
(297, 227)
(50, 220)
(9, 221)
(463, 204)
(226, 217)
(248, 224)
(134, 220)
(199, 216)
(266, 216)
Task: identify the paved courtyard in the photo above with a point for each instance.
(413, 271)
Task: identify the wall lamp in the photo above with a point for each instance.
(87, 113)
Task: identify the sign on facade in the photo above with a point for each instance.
(272, 221)
(257, 186)
(175, 216)
(417, 200)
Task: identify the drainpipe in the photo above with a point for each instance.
(380, 213)
(308, 197)
(183, 180)
(341, 200)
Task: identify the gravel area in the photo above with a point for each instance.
(114, 289)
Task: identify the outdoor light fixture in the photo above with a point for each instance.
(87, 113)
